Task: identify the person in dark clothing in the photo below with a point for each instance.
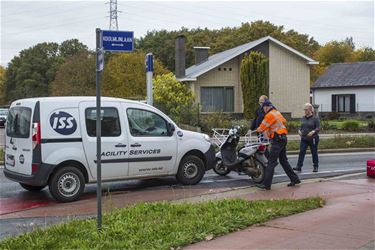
(273, 126)
(309, 133)
(259, 114)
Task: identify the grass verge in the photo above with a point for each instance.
(1, 154)
(160, 225)
(340, 142)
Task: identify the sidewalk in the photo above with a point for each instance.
(347, 221)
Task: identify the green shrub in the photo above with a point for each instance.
(350, 125)
(371, 125)
(293, 126)
(215, 120)
(328, 125)
(1, 154)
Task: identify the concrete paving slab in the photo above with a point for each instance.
(347, 221)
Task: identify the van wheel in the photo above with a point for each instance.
(32, 188)
(191, 170)
(67, 184)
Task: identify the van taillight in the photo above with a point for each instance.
(34, 168)
(36, 134)
(262, 148)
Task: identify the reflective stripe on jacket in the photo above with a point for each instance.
(273, 122)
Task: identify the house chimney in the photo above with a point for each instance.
(201, 54)
(180, 56)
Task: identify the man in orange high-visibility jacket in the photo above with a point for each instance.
(273, 126)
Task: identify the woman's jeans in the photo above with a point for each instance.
(313, 144)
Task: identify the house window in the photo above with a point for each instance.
(216, 99)
(343, 103)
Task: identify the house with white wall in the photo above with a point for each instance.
(346, 88)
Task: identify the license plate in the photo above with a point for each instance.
(10, 160)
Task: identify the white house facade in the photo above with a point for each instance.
(364, 99)
(346, 88)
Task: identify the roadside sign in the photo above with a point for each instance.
(118, 41)
(149, 60)
(100, 62)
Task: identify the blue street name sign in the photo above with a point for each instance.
(120, 41)
(149, 62)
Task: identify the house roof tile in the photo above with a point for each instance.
(347, 75)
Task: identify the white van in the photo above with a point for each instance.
(52, 141)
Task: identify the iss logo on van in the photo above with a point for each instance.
(63, 123)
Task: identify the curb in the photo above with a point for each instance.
(336, 150)
(236, 192)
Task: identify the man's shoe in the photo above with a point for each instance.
(315, 169)
(298, 169)
(293, 183)
(262, 186)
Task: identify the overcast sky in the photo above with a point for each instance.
(26, 23)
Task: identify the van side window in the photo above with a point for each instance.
(110, 122)
(146, 123)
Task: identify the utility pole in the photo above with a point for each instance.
(113, 24)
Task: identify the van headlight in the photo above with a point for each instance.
(206, 137)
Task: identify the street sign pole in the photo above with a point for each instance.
(149, 71)
(99, 68)
(106, 40)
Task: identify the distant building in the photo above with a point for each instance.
(215, 80)
(346, 88)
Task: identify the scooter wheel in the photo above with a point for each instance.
(220, 169)
(262, 168)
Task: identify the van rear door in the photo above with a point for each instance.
(18, 138)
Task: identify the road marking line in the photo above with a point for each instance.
(282, 175)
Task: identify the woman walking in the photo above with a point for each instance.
(309, 133)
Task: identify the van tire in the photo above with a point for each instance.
(32, 188)
(67, 184)
(191, 170)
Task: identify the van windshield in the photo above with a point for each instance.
(18, 122)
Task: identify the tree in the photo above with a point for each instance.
(254, 81)
(161, 43)
(76, 76)
(29, 74)
(365, 54)
(173, 98)
(332, 52)
(2, 85)
(71, 47)
(125, 76)
(335, 52)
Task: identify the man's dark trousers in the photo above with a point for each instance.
(278, 151)
(313, 144)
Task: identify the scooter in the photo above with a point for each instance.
(249, 159)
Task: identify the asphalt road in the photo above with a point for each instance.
(330, 165)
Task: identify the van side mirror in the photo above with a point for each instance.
(171, 128)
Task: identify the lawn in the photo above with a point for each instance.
(161, 225)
